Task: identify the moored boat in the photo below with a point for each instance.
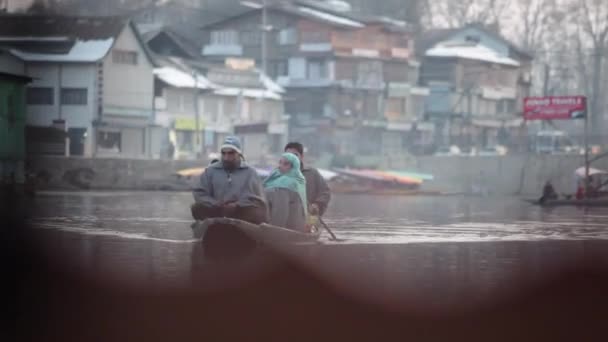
(589, 202)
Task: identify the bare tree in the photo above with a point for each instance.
(536, 19)
(592, 20)
(448, 13)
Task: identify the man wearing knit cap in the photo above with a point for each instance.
(230, 188)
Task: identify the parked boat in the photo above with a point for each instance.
(377, 182)
(196, 172)
(589, 202)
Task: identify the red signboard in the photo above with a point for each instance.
(555, 108)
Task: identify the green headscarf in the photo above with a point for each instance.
(293, 180)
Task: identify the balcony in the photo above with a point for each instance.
(316, 47)
(420, 91)
(498, 93)
(222, 50)
(401, 53)
(285, 81)
(160, 103)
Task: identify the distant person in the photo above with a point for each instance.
(317, 190)
(548, 193)
(171, 150)
(580, 190)
(230, 188)
(286, 193)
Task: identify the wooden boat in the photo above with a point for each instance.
(589, 202)
(265, 233)
(379, 191)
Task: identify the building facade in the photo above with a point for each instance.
(351, 80)
(477, 83)
(91, 76)
(202, 103)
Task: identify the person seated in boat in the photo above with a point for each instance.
(548, 193)
(580, 190)
(286, 193)
(317, 190)
(230, 188)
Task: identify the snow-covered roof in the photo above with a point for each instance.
(248, 92)
(393, 21)
(469, 51)
(270, 84)
(330, 17)
(81, 51)
(33, 39)
(180, 79)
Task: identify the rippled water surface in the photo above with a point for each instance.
(357, 219)
(444, 247)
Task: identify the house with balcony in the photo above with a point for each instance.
(92, 78)
(201, 103)
(351, 80)
(477, 81)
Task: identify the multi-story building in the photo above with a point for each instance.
(351, 80)
(477, 82)
(201, 103)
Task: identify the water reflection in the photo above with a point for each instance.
(438, 250)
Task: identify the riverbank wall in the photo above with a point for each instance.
(499, 175)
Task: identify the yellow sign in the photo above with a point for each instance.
(240, 63)
(188, 124)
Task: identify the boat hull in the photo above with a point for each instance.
(261, 233)
(572, 202)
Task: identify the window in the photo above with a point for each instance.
(505, 106)
(402, 41)
(124, 57)
(39, 96)
(184, 141)
(472, 38)
(281, 69)
(12, 110)
(317, 69)
(315, 37)
(228, 37)
(251, 38)
(395, 107)
(109, 141)
(73, 96)
(347, 37)
(288, 36)
(181, 103)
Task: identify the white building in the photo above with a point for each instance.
(229, 101)
(93, 74)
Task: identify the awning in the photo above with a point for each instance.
(197, 171)
(399, 126)
(327, 175)
(592, 171)
(493, 123)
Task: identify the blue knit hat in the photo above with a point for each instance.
(232, 142)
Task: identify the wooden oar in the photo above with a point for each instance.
(333, 236)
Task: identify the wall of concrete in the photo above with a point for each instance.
(108, 174)
(509, 175)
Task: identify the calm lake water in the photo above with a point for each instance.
(442, 249)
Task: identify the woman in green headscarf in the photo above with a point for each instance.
(286, 194)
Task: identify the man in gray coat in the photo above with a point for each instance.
(230, 188)
(317, 190)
